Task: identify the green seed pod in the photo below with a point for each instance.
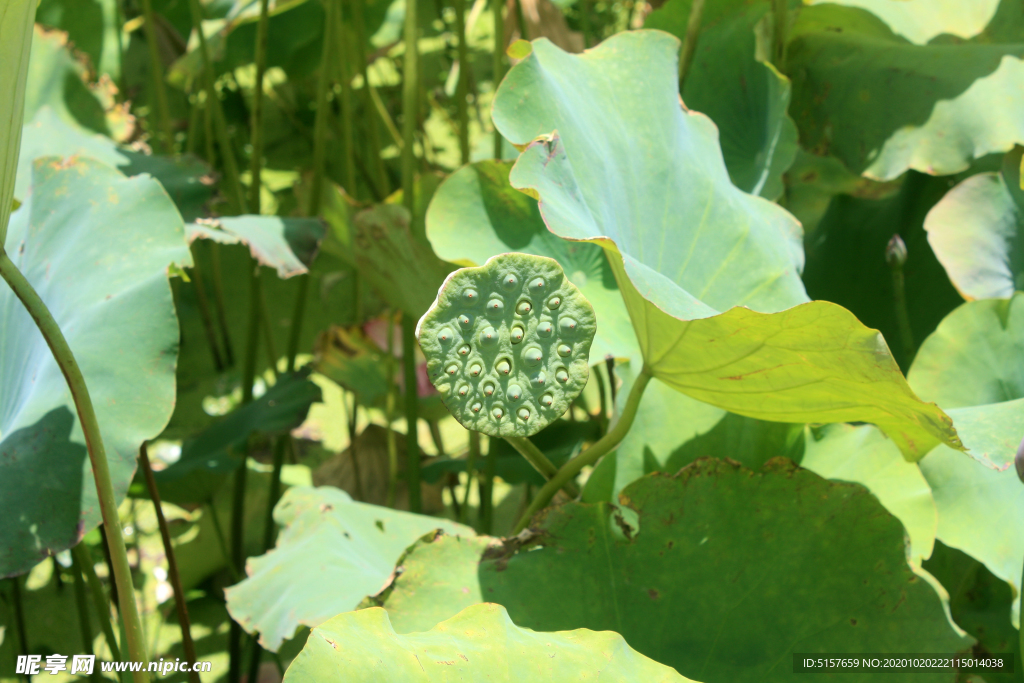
(497, 333)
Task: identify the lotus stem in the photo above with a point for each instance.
(487, 496)
(157, 78)
(389, 414)
(896, 257)
(347, 115)
(83, 558)
(280, 446)
(690, 41)
(256, 161)
(204, 311)
(524, 32)
(180, 606)
(19, 617)
(590, 456)
(461, 90)
(540, 462)
(370, 99)
(474, 454)
(781, 28)
(412, 444)
(499, 61)
(82, 605)
(97, 452)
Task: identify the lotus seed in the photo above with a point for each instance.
(444, 335)
(463, 390)
(545, 329)
(465, 320)
(488, 389)
(547, 400)
(567, 325)
(475, 369)
(562, 376)
(495, 307)
(523, 414)
(452, 369)
(510, 281)
(515, 392)
(533, 356)
(470, 296)
(464, 350)
(539, 379)
(554, 303)
(517, 334)
(564, 350)
(524, 307)
(503, 367)
(476, 407)
(536, 284)
(489, 335)
(498, 413)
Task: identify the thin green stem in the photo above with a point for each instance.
(389, 414)
(280, 446)
(218, 300)
(347, 114)
(94, 443)
(83, 558)
(410, 110)
(268, 333)
(412, 467)
(180, 606)
(524, 32)
(462, 88)
(238, 560)
(602, 416)
(590, 456)
(781, 29)
(370, 99)
(690, 41)
(487, 492)
(474, 454)
(609, 364)
(298, 313)
(352, 417)
(218, 531)
(322, 110)
(256, 162)
(204, 311)
(19, 617)
(157, 78)
(902, 315)
(498, 61)
(82, 606)
(540, 462)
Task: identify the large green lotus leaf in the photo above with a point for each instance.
(976, 231)
(331, 553)
(77, 240)
(680, 256)
(846, 261)
(972, 363)
(15, 44)
(92, 27)
(979, 602)
(479, 644)
(745, 97)
(975, 355)
(211, 455)
(476, 214)
(286, 244)
(921, 20)
(883, 105)
(723, 574)
(863, 455)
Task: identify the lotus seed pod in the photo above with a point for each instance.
(508, 344)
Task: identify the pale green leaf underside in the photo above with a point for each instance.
(695, 245)
(921, 20)
(15, 43)
(76, 240)
(478, 644)
(331, 553)
(508, 344)
(977, 233)
(286, 244)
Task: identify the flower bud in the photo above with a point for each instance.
(896, 252)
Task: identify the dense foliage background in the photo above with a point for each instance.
(238, 210)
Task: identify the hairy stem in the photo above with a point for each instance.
(590, 456)
(412, 444)
(157, 78)
(180, 607)
(540, 462)
(94, 443)
(690, 41)
(83, 559)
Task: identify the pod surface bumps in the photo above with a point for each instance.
(508, 344)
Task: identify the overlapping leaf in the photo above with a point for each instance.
(723, 574)
(76, 240)
(921, 20)
(285, 244)
(331, 553)
(977, 232)
(480, 643)
(646, 180)
(972, 365)
(882, 104)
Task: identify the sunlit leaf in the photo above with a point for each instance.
(285, 244)
(921, 20)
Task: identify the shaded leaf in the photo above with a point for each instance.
(15, 45)
(327, 541)
(723, 574)
(75, 240)
(976, 232)
(285, 244)
(708, 248)
(480, 643)
(921, 20)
